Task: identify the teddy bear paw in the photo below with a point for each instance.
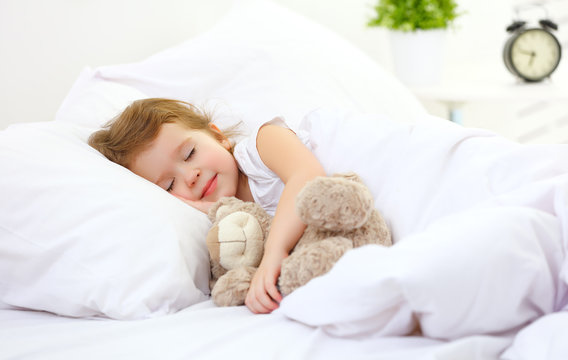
(231, 289)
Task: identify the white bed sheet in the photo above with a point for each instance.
(204, 331)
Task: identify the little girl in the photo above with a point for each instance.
(177, 147)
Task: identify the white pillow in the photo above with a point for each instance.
(92, 102)
(262, 61)
(81, 236)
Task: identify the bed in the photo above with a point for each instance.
(96, 262)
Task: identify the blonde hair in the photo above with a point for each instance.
(125, 136)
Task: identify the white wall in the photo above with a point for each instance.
(479, 31)
(44, 44)
(474, 45)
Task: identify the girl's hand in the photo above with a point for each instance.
(200, 205)
(263, 296)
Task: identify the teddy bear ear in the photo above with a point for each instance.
(223, 211)
(349, 176)
(212, 213)
(223, 207)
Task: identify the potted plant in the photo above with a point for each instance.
(417, 35)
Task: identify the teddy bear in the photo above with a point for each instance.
(339, 213)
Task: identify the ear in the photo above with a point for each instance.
(226, 144)
(220, 136)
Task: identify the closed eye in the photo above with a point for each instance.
(171, 187)
(190, 154)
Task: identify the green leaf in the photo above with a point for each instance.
(411, 15)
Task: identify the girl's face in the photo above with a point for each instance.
(190, 164)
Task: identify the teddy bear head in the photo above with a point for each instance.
(237, 235)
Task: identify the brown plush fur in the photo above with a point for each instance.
(339, 213)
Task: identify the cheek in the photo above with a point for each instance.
(229, 167)
(232, 163)
(145, 166)
(223, 159)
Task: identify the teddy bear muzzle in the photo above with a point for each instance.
(239, 241)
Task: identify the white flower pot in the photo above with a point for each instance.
(418, 56)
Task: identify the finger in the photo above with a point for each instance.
(274, 293)
(195, 204)
(271, 289)
(260, 300)
(202, 206)
(266, 301)
(255, 306)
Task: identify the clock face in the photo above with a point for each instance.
(535, 54)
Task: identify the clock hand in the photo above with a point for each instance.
(526, 52)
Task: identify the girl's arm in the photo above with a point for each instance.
(282, 152)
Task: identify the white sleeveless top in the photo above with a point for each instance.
(265, 186)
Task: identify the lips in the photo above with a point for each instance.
(210, 187)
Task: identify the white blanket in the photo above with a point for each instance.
(479, 223)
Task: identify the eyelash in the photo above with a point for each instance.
(191, 152)
(170, 188)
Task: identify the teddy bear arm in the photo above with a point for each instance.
(334, 203)
(309, 261)
(375, 231)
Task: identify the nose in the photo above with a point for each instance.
(191, 176)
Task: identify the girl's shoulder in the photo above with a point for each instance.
(248, 143)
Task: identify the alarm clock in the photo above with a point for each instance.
(532, 54)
